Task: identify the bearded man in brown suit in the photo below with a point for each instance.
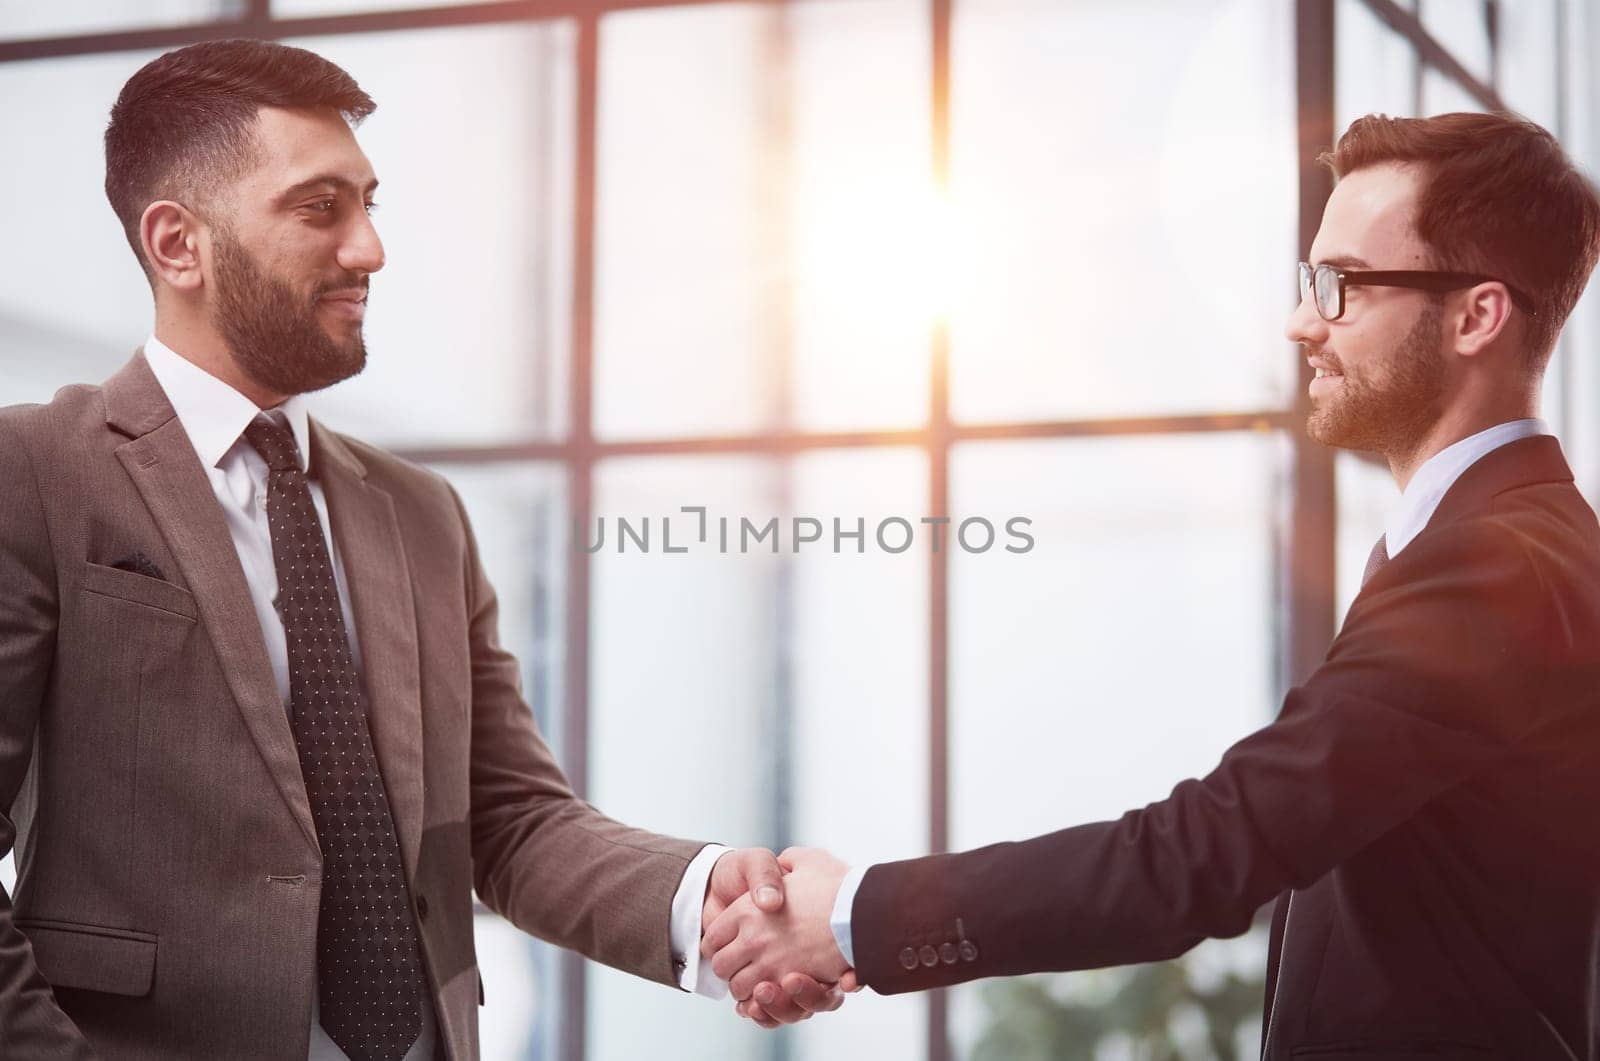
(258, 738)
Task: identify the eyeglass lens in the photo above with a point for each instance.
(1323, 282)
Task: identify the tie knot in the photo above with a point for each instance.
(274, 443)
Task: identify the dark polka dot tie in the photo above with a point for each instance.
(369, 970)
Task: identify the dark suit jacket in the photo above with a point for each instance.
(1431, 795)
(168, 867)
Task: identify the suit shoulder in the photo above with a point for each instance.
(1545, 518)
(74, 408)
(71, 402)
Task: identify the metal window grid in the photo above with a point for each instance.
(1307, 562)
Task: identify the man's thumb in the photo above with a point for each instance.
(765, 880)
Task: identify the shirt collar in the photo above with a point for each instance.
(212, 413)
(1440, 471)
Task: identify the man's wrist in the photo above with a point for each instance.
(843, 902)
(688, 915)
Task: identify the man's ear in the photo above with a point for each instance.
(1484, 316)
(171, 236)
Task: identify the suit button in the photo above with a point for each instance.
(929, 956)
(969, 951)
(948, 953)
(422, 907)
(908, 959)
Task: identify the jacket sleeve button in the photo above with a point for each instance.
(908, 959)
(969, 951)
(930, 957)
(948, 953)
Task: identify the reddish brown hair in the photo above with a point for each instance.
(1499, 196)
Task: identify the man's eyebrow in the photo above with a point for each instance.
(325, 180)
(1346, 261)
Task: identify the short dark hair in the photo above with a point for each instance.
(186, 121)
(1499, 196)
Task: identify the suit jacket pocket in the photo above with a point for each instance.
(117, 961)
(139, 589)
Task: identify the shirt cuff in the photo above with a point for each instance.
(842, 905)
(688, 906)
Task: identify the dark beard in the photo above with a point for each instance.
(1392, 419)
(274, 334)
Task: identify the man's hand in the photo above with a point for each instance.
(756, 869)
(753, 870)
(749, 944)
(798, 998)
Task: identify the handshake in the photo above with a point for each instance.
(766, 929)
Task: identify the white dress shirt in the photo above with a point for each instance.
(214, 416)
(1410, 514)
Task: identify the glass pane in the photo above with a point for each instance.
(20, 19)
(1572, 395)
(518, 976)
(1367, 494)
(762, 204)
(74, 307)
(859, 660)
(1081, 225)
(682, 675)
(749, 696)
(1461, 26)
(302, 8)
(1126, 651)
(1375, 69)
(475, 213)
(1443, 95)
(519, 517)
(1531, 33)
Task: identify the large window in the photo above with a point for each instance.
(851, 262)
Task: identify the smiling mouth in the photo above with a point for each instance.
(1324, 373)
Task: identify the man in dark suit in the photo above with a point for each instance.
(1424, 807)
(259, 741)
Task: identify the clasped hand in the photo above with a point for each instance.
(766, 930)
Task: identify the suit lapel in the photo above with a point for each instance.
(161, 461)
(367, 535)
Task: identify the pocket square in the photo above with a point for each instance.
(140, 564)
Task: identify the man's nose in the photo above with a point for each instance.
(363, 251)
(1305, 324)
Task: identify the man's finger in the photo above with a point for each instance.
(732, 960)
(753, 1010)
(770, 1000)
(742, 983)
(712, 909)
(810, 995)
(719, 933)
(848, 983)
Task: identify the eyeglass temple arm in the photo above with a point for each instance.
(1434, 281)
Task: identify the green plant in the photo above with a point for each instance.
(1067, 1017)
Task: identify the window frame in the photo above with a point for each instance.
(1305, 555)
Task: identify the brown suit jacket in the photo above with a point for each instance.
(168, 868)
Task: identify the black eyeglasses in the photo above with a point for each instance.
(1328, 282)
